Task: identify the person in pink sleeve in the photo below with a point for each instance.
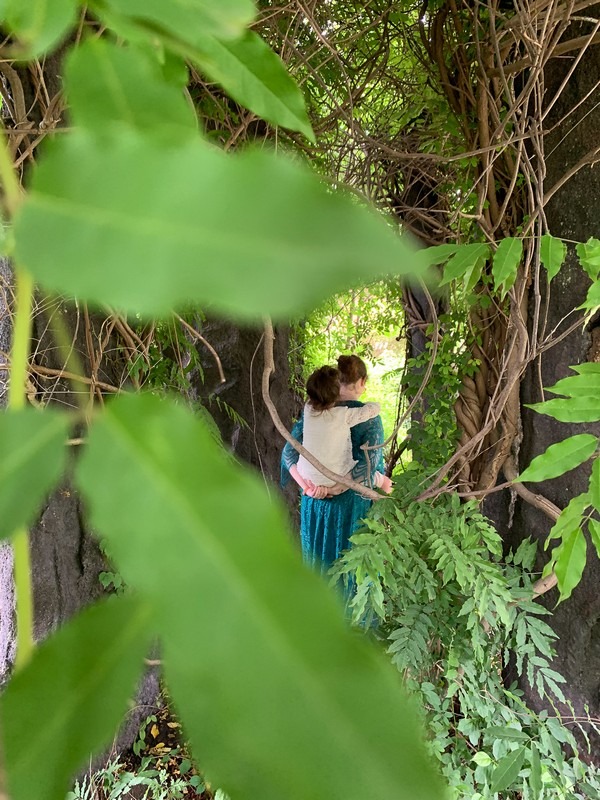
(327, 434)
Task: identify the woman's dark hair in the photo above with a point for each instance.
(323, 388)
(351, 369)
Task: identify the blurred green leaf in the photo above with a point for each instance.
(507, 770)
(585, 385)
(560, 458)
(253, 75)
(506, 263)
(39, 25)
(244, 622)
(32, 459)
(69, 700)
(589, 256)
(107, 84)
(553, 252)
(245, 235)
(463, 260)
(594, 490)
(578, 409)
(187, 20)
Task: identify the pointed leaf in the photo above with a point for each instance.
(507, 770)
(535, 776)
(506, 262)
(560, 458)
(553, 252)
(587, 368)
(188, 20)
(241, 619)
(429, 256)
(592, 300)
(594, 490)
(39, 25)
(589, 257)
(594, 528)
(570, 517)
(570, 562)
(69, 700)
(32, 459)
(253, 75)
(497, 732)
(107, 84)
(246, 235)
(578, 409)
(587, 385)
(463, 260)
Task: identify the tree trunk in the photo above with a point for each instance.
(237, 405)
(571, 215)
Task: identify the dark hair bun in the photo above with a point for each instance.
(323, 388)
(352, 369)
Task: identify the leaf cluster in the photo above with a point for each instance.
(456, 618)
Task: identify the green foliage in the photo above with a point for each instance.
(256, 651)
(68, 701)
(433, 431)
(238, 563)
(560, 458)
(38, 24)
(163, 227)
(552, 254)
(580, 404)
(466, 260)
(32, 454)
(103, 85)
(256, 77)
(117, 782)
(186, 20)
(506, 262)
(432, 583)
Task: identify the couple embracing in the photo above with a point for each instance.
(336, 427)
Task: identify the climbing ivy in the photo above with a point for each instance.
(132, 207)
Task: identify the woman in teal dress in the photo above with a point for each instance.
(326, 525)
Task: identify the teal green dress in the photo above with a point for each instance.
(327, 525)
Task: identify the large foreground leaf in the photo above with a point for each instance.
(38, 24)
(107, 84)
(279, 698)
(255, 76)
(248, 235)
(67, 703)
(188, 20)
(32, 459)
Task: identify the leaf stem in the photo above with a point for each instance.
(16, 400)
